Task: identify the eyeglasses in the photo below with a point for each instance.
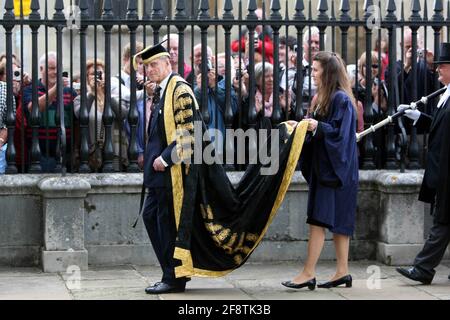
(375, 66)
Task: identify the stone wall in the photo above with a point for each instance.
(54, 222)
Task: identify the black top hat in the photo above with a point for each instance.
(151, 53)
(444, 55)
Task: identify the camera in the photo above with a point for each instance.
(238, 74)
(420, 53)
(98, 74)
(359, 93)
(209, 65)
(256, 39)
(17, 75)
(381, 83)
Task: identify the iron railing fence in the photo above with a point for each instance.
(76, 39)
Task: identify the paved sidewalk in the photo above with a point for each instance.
(250, 282)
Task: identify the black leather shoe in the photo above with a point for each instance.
(157, 283)
(161, 287)
(311, 284)
(347, 280)
(414, 274)
(153, 285)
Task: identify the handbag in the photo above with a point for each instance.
(96, 152)
(96, 156)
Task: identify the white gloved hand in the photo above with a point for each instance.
(412, 114)
(403, 107)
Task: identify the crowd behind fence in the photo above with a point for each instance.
(64, 114)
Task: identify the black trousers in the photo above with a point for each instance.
(161, 229)
(433, 249)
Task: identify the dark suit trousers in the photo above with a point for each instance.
(160, 225)
(433, 249)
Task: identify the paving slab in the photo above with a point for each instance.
(253, 281)
(201, 293)
(20, 272)
(104, 274)
(38, 287)
(111, 284)
(390, 289)
(113, 294)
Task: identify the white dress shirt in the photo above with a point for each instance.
(116, 83)
(444, 97)
(163, 86)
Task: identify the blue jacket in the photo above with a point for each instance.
(216, 107)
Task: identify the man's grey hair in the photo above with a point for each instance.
(173, 36)
(164, 58)
(208, 49)
(259, 71)
(50, 55)
(314, 32)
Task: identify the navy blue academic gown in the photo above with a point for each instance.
(329, 163)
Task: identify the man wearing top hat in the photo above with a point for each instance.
(174, 108)
(435, 187)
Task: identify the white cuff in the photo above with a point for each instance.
(163, 162)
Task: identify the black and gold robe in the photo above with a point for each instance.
(218, 224)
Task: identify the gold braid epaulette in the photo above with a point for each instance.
(182, 98)
(184, 116)
(181, 116)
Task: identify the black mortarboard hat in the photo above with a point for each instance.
(151, 53)
(444, 53)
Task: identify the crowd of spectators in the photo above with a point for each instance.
(264, 83)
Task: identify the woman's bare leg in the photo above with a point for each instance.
(315, 245)
(342, 245)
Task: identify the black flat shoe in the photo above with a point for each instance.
(311, 284)
(347, 280)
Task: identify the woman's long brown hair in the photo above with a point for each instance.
(334, 77)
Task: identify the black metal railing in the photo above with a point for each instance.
(350, 36)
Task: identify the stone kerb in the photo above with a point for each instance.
(63, 215)
(79, 213)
